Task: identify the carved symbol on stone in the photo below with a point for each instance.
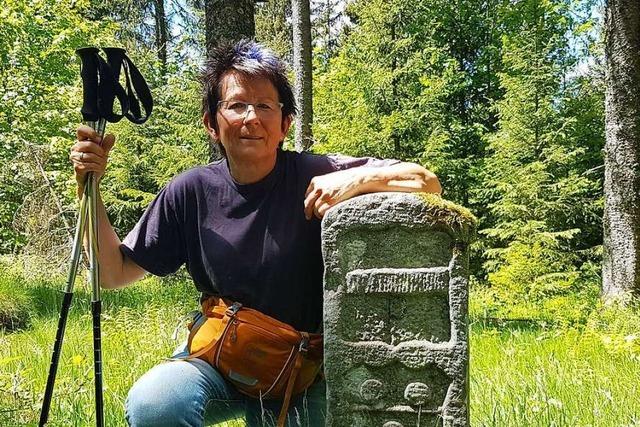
(392, 424)
(371, 390)
(417, 393)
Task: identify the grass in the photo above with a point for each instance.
(15, 302)
(137, 325)
(529, 377)
(520, 376)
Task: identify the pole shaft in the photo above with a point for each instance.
(64, 312)
(91, 193)
(96, 309)
(55, 358)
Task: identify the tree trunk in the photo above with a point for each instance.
(301, 18)
(228, 20)
(161, 35)
(621, 263)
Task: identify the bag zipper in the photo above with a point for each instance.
(221, 340)
(234, 330)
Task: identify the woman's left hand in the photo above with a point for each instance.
(325, 191)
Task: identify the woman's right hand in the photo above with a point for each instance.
(89, 154)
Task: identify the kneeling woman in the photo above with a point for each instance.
(247, 227)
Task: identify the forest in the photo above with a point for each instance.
(503, 99)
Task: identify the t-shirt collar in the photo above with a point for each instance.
(264, 184)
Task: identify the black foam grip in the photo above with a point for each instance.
(89, 73)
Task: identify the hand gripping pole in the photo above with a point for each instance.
(101, 87)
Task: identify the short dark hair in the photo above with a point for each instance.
(250, 59)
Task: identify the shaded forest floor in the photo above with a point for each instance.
(520, 375)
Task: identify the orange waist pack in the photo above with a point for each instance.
(263, 357)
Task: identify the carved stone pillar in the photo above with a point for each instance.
(395, 311)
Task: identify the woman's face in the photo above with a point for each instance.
(253, 137)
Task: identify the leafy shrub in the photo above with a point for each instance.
(538, 284)
(616, 324)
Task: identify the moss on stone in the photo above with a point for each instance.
(458, 218)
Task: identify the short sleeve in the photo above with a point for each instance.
(341, 162)
(156, 243)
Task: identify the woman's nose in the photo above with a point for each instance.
(250, 115)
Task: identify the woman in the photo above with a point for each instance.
(247, 227)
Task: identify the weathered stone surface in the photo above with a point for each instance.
(396, 289)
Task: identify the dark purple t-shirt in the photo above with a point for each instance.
(249, 243)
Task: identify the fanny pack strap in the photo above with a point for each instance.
(302, 351)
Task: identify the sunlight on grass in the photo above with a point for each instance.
(551, 378)
(519, 376)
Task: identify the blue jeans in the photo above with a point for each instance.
(193, 393)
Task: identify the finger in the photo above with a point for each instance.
(322, 210)
(309, 203)
(88, 146)
(84, 132)
(310, 188)
(108, 142)
(323, 203)
(84, 167)
(87, 157)
(320, 201)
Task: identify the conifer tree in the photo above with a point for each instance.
(414, 80)
(540, 197)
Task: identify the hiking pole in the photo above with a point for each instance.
(91, 79)
(91, 194)
(87, 208)
(100, 81)
(64, 312)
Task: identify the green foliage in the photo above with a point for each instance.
(616, 324)
(273, 26)
(528, 290)
(40, 96)
(543, 223)
(14, 300)
(412, 81)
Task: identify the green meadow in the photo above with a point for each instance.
(520, 375)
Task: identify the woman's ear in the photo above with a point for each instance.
(208, 125)
(286, 124)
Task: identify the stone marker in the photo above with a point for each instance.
(395, 311)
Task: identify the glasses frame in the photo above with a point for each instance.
(252, 104)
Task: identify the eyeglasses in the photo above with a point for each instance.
(236, 110)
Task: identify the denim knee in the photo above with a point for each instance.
(154, 410)
(158, 400)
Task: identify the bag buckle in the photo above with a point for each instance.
(233, 310)
(304, 343)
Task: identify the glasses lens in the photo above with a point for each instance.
(238, 109)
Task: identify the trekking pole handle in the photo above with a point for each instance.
(89, 74)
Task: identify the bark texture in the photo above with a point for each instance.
(621, 263)
(300, 14)
(161, 35)
(228, 20)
